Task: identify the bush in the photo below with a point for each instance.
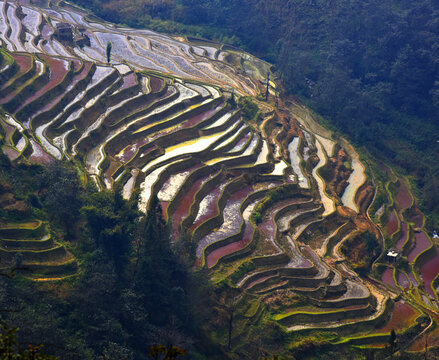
(11, 349)
(257, 217)
(243, 269)
(249, 108)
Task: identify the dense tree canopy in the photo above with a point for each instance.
(131, 291)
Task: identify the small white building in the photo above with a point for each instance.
(393, 255)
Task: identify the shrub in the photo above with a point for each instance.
(257, 217)
(249, 108)
(244, 268)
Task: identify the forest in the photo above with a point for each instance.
(369, 68)
(111, 308)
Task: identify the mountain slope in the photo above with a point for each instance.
(370, 68)
(271, 207)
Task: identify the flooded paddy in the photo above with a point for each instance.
(387, 278)
(403, 316)
(185, 203)
(429, 271)
(404, 197)
(421, 243)
(392, 224)
(356, 179)
(217, 254)
(232, 220)
(295, 160)
(208, 206)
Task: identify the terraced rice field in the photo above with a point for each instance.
(42, 258)
(356, 179)
(139, 50)
(159, 119)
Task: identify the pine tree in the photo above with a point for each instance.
(109, 46)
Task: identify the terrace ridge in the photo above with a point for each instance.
(33, 244)
(252, 195)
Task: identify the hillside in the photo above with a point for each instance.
(369, 68)
(145, 175)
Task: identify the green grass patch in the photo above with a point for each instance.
(252, 309)
(243, 269)
(249, 109)
(307, 311)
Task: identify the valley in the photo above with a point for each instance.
(291, 223)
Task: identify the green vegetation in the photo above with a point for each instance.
(243, 269)
(132, 286)
(249, 108)
(136, 281)
(108, 51)
(111, 222)
(361, 251)
(272, 196)
(11, 349)
(369, 68)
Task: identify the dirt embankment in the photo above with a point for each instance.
(336, 174)
(8, 201)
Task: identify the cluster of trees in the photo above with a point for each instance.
(369, 67)
(134, 297)
(361, 251)
(10, 348)
(132, 289)
(248, 108)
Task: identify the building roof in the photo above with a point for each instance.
(392, 253)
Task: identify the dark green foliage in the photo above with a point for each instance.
(243, 269)
(109, 46)
(21, 183)
(112, 223)
(257, 217)
(392, 341)
(249, 108)
(10, 348)
(361, 251)
(369, 67)
(114, 309)
(403, 264)
(170, 278)
(34, 201)
(61, 194)
(232, 100)
(371, 242)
